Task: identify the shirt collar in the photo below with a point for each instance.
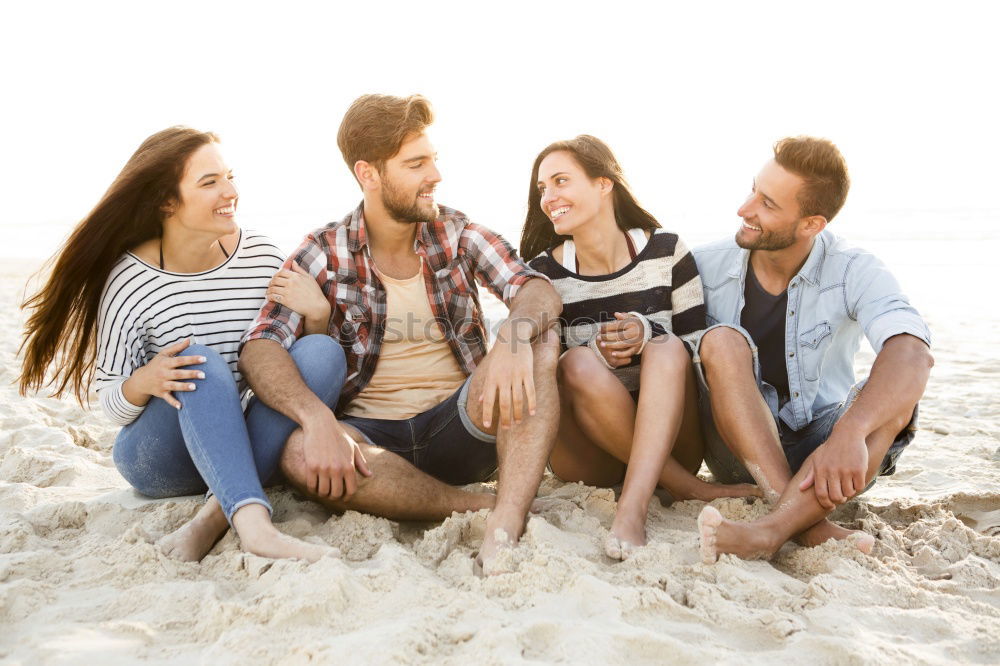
(357, 237)
(814, 264)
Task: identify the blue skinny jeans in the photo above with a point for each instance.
(209, 442)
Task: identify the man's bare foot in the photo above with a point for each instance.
(192, 540)
(502, 532)
(824, 530)
(706, 492)
(272, 543)
(628, 532)
(718, 536)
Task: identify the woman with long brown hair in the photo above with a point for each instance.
(631, 294)
(148, 298)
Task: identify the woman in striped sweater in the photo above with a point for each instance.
(150, 296)
(631, 296)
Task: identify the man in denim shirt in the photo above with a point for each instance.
(787, 304)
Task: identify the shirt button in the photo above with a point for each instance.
(791, 313)
(795, 395)
(791, 355)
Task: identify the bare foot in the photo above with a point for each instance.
(272, 543)
(503, 529)
(628, 532)
(718, 536)
(192, 540)
(259, 536)
(824, 530)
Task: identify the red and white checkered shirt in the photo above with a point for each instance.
(456, 253)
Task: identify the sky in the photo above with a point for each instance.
(689, 96)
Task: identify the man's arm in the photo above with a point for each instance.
(331, 456)
(895, 385)
(509, 364)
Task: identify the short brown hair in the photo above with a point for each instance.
(823, 170)
(376, 126)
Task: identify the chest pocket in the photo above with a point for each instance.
(812, 349)
(459, 296)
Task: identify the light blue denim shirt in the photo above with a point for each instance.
(840, 293)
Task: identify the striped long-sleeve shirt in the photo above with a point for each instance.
(144, 309)
(661, 284)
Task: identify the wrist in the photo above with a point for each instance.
(513, 333)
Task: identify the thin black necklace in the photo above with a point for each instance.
(225, 254)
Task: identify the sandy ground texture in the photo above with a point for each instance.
(81, 582)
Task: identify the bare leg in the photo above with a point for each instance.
(795, 510)
(745, 423)
(522, 451)
(396, 489)
(594, 445)
(658, 420)
(192, 540)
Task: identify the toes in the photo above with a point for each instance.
(708, 525)
(612, 547)
(865, 543)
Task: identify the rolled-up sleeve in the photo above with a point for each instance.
(278, 322)
(876, 302)
(497, 266)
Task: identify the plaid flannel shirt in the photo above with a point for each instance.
(456, 253)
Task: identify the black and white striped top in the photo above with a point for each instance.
(661, 283)
(144, 310)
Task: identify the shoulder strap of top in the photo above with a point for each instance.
(569, 256)
(639, 239)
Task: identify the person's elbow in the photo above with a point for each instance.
(915, 350)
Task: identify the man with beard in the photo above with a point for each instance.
(424, 406)
(787, 303)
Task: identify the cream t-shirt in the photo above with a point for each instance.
(416, 369)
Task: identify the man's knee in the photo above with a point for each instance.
(724, 346)
(293, 460)
(545, 350)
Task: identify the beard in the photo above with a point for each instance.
(404, 209)
(767, 240)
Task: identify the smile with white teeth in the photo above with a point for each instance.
(426, 195)
(225, 210)
(558, 212)
(750, 226)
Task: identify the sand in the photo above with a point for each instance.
(81, 581)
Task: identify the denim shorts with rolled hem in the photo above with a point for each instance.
(443, 441)
(797, 444)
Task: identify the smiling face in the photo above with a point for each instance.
(771, 216)
(569, 197)
(208, 195)
(408, 180)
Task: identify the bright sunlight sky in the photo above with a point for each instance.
(690, 96)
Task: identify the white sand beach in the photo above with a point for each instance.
(82, 583)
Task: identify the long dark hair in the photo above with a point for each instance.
(62, 327)
(597, 161)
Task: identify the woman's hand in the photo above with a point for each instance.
(621, 339)
(163, 375)
(298, 291)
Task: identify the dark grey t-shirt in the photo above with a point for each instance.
(763, 317)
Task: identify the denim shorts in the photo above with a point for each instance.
(442, 441)
(797, 444)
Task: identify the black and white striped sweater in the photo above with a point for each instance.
(661, 283)
(145, 309)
